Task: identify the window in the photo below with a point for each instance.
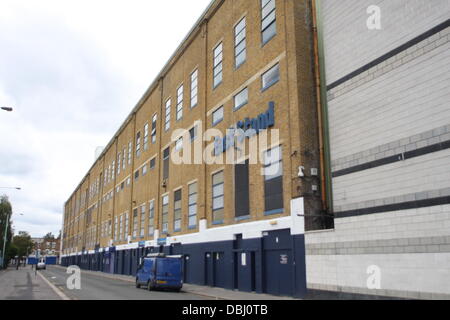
(179, 144)
(167, 123)
(121, 235)
(116, 229)
(119, 166)
(166, 156)
(124, 155)
(126, 227)
(135, 223)
(130, 148)
(271, 77)
(193, 133)
(152, 163)
(142, 234)
(217, 116)
(194, 89)
(155, 118)
(151, 218)
(165, 214)
(192, 223)
(241, 99)
(218, 65)
(136, 175)
(180, 94)
(268, 20)
(177, 211)
(113, 167)
(240, 51)
(241, 192)
(138, 145)
(146, 137)
(144, 170)
(218, 197)
(273, 181)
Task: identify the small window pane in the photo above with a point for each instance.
(218, 203)
(218, 115)
(218, 178)
(271, 77)
(269, 32)
(241, 98)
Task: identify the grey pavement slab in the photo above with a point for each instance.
(24, 284)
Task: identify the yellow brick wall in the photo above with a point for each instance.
(295, 117)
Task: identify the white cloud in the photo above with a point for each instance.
(73, 70)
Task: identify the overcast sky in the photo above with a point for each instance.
(72, 71)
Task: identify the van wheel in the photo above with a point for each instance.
(137, 284)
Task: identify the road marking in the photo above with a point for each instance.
(57, 291)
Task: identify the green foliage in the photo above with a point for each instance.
(5, 220)
(49, 237)
(11, 251)
(23, 243)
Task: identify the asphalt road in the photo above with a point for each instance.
(24, 284)
(96, 287)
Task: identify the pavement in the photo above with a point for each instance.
(24, 284)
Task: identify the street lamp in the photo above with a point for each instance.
(7, 109)
(15, 188)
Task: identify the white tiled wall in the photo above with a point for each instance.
(349, 44)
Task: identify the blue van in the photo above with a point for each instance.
(158, 271)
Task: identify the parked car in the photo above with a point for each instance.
(41, 265)
(158, 271)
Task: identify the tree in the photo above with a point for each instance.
(49, 237)
(23, 243)
(5, 218)
(11, 251)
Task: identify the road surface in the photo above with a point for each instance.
(97, 287)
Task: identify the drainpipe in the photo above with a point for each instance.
(322, 107)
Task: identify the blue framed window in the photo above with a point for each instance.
(193, 189)
(218, 65)
(194, 89)
(151, 218)
(168, 111)
(217, 116)
(270, 77)
(273, 181)
(268, 20)
(165, 214)
(177, 211)
(240, 46)
(218, 204)
(180, 99)
(241, 99)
